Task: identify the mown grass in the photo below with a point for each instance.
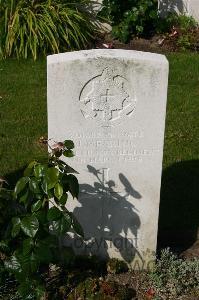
(182, 122)
(23, 120)
(23, 117)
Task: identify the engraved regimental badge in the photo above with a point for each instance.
(107, 98)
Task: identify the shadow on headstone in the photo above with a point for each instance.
(108, 217)
(179, 205)
(166, 6)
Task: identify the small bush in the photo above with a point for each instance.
(130, 17)
(31, 27)
(173, 277)
(173, 20)
(180, 31)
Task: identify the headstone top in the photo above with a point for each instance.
(107, 53)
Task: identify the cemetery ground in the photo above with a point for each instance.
(23, 126)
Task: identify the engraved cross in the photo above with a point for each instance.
(105, 175)
(107, 106)
(105, 179)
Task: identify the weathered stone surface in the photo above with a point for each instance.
(112, 103)
(187, 7)
(194, 9)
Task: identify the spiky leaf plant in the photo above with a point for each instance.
(31, 27)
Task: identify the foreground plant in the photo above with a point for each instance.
(33, 237)
(31, 27)
(172, 277)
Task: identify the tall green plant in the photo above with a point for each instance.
(31, 27)
(33, 237)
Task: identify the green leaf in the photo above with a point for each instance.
(43, 253)
(34, 262)
(25, 262)
(61, 226)
(39, 170)
(4, 246)
(16, 226)
(28, 171)
(30, 226)
(44, 186)
(69, 144)
(13, 264)
(68, 153)
(25, 290)
(67, 168)
(21, 184)
(77, 227)
(36, 206)
(63, 199)
(50, 194)
(41, 216)
(34, 186)
(58, 190)
(73, 185)
(6, 194)
(39, 196)
(53, 174)
(54, 214)
(24, 197)
(40, 292)
(58, 153)
(16, 221)
(27, 246)
(51, 178)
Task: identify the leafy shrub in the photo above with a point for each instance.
(30, 27)
(173, 20)
(130, 17)
(33, 237)
(181, 31)
(173, 277)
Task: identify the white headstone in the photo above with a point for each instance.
(112, 104)
(194, 9)
(186, 7)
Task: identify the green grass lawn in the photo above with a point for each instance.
(182, 122)
(23, 113)
(23, 120)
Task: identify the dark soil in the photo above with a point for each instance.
(162, 43)
(139, 44)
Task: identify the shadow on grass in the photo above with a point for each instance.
(179, 205)
(13, 177)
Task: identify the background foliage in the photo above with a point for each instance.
(130, 17)
(30, 27)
